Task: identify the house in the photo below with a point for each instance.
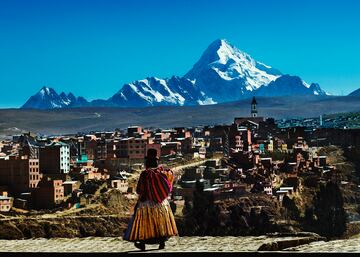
(202, 152)
(270, 146)
(268, 188)
(134, 131)
(21, 203)
(192, 173)
(321, 161)
(280, 194)
(120, 183)
(70, 186)
(290, 190)
(212, 163)
(284, 148)
(266, 162)
(96, 174)
(170, 148)
(6, 203)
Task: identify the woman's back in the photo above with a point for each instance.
(155, 184)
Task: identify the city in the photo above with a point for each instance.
(247, 171)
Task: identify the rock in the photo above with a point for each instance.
(284, 244)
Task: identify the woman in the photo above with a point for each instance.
(153, 221)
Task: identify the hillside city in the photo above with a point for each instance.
(253, 176)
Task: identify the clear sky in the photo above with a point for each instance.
(91, 48)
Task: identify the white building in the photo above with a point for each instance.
(55, 158)
(65, 158)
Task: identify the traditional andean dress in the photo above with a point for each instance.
(153, 219)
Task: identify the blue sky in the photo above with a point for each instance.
(92, 48)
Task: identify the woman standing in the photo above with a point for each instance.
(153, 221)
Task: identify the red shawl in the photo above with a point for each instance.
(155, 184)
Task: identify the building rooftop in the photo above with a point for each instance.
(5, 197)
(286, 188)
(211, 189)
(69, 182)
(57, 144)
(265, 158)
(282, 191)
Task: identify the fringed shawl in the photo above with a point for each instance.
(155, 184)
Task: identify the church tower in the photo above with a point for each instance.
(253, 107)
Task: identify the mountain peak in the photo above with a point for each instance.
(218, 43)
(219, 50)
(47, 91)
(236, 71)
(47, 98)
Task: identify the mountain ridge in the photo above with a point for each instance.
(355, 92)
(73, 120)
(223, 73)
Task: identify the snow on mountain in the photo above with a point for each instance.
(154, 92)
(287, 85)
(47, 98)
(225, 73)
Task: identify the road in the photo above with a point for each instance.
(199, 163)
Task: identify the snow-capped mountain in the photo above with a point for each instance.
(222, 74)
(225, 73)
(287, 85)
(47, 98)
(154, 91)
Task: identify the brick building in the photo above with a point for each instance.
(19, 174)
(131, 148)
(134, 131)
(49, 194)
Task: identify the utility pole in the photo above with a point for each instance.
(226, 142)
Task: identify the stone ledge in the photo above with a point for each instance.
(178, 245)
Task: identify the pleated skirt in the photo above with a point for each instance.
(151, 221)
